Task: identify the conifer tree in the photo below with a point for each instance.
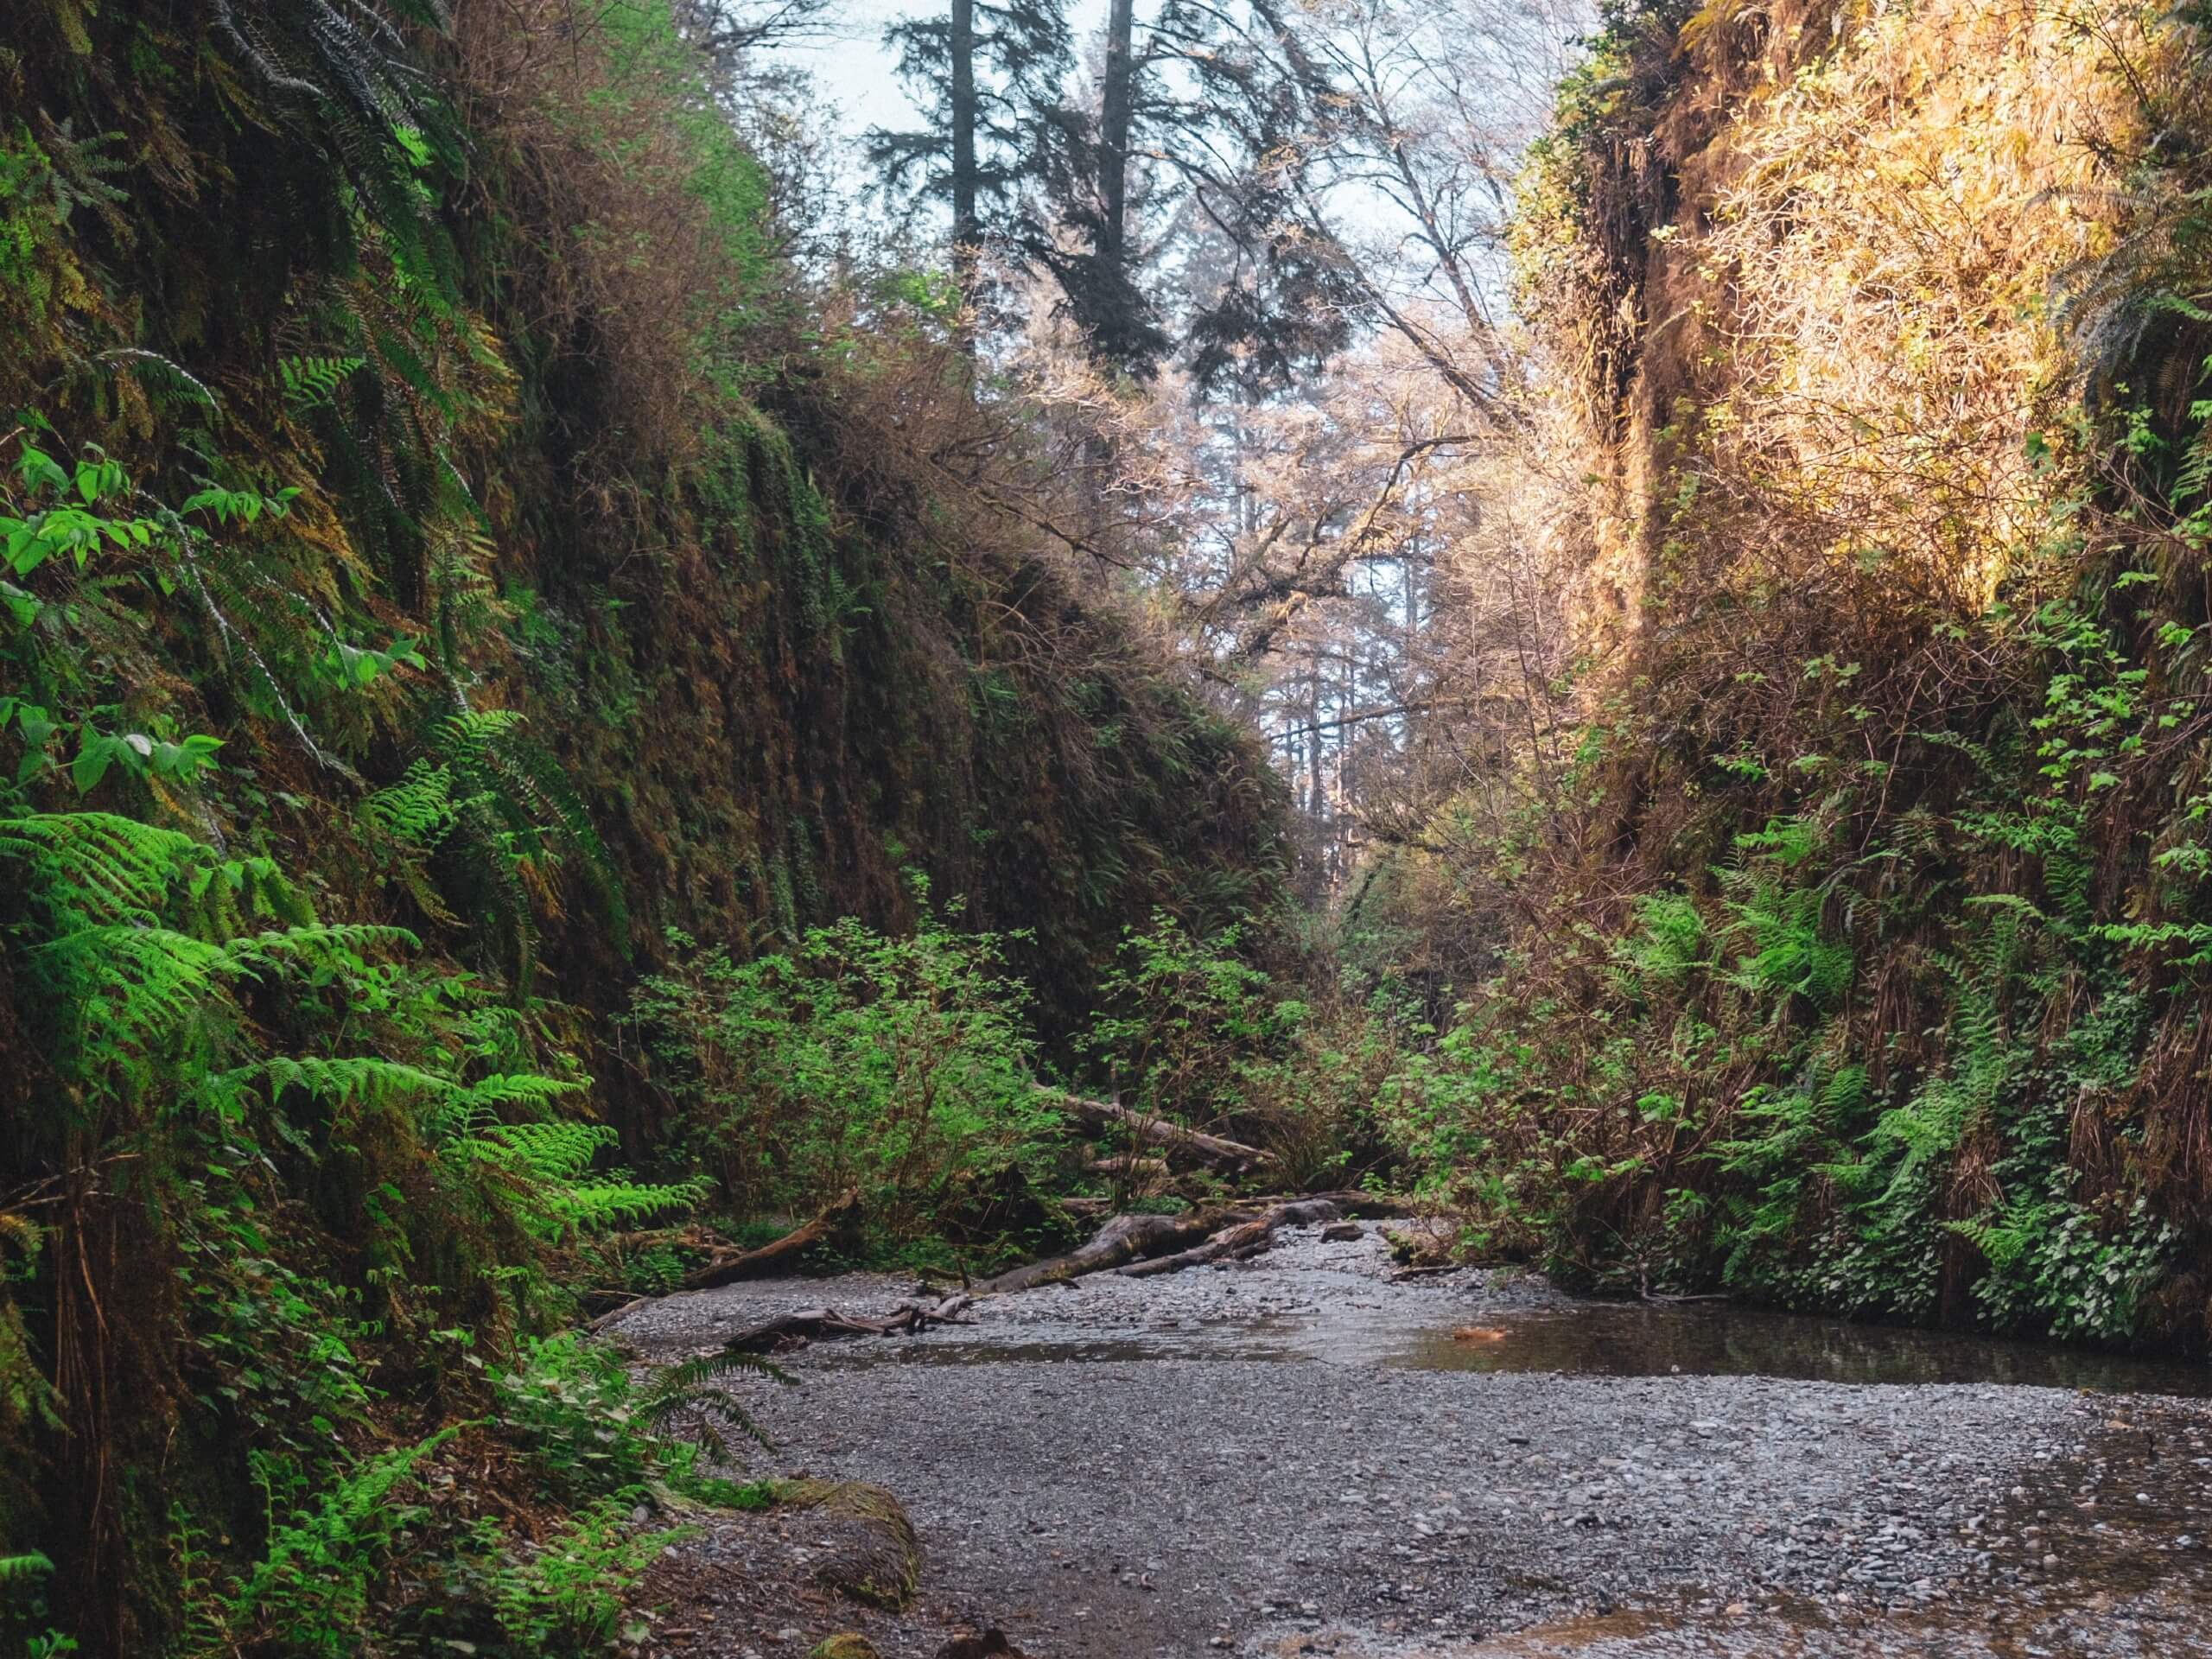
(989, 77)
(1175, 205)
(1090, 248)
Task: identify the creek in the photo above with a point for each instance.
(1300, 1455)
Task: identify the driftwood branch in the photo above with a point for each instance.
(1364, 1206)
(1123, 1239)
(809, 1322)
(1139, 1246)
(1171, 1140)
(728, 1266)
(1239, 1240)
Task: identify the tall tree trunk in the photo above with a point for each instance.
(1117, 99)
(967, 228)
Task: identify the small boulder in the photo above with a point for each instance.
(846, 1645)
(1343, 1232)
(1422, 1243)
(871, 1552)
(990, 1644)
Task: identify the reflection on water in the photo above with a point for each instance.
(1571, 1339)
(1715, 1339)
(1585, 1338)
(1582, 1339)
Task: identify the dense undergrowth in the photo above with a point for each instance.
(451, 554)
(1858, 960)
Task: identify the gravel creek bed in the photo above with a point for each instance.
(1298, 1455)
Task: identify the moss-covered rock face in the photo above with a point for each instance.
(869, 1549)
(454, 547)
(759, 664)
(1872, 971)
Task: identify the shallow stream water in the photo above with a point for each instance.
(1719, 1339)
(1586, 1338)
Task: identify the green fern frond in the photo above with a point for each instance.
(312, 382)
(504, 1089)
(419, 808)
(688, 1390)
(129, 984)
(549, 1152)
(92, 867)
(504, 802)
(600, 1206)
(17, 1569)
(338, 945)
(696, 1373)
(355, 1079)
(547, 1161)
(473, 729)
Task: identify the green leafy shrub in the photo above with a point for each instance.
(566, 1596)
(897, 1068)
(1179, 1014)
(311, 1593)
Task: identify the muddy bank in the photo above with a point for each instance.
(1300, 1455)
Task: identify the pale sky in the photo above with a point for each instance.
(855, 74)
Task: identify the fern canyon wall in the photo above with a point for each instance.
(1857, 945)
(454, 565)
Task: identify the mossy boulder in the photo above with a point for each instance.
(1420, 1243)
(868, 1547)
(846, 1645)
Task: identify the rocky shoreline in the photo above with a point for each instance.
(1255, 1457)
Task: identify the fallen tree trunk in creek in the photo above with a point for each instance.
(1123, 1239)
(1142, 1245)
(730, 1266)
(1138, 1246)
(1241, 1239)
(1364, 1206)
(1172, 1139)
(808, 1322)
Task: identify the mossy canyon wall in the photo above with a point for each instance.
(1880, 881)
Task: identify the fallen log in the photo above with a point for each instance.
(1123, 1239)
(727, 1266)
(1139, 1246)
(1171, 1139)
(1365, 1206)
(1230, 1241)
(1244, 1238)
(806, 1323)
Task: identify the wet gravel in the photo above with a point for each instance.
(1269, 1458)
